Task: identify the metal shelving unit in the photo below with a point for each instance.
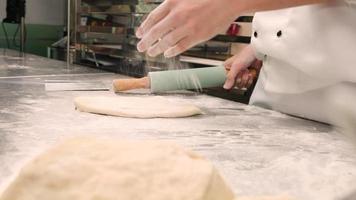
(104, 34)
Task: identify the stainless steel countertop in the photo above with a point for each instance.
(259, 152)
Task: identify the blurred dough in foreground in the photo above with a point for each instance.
(100, 169)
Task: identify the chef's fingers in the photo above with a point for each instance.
(239, 80)
(169, 40)
(250, 81)
(227, 70)
(250, 77)
(228, 62)
(253, 72)
(156, 33)
(243, 60)
(257, 65)
(153, 18)
(244, 78)
(180, 47)
(232, 76)
(227, 66)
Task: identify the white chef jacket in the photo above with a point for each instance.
(308, 51)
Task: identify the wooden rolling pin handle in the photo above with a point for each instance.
(120, 85)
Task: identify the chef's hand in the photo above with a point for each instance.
(242, 69)
(177, 25)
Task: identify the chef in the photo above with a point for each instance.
(308, 48)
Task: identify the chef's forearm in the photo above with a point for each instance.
(244, 6)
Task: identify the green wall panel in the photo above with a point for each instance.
(39, 37)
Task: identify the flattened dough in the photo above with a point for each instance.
(100, 169)
(136, 107)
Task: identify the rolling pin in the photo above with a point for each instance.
(185, 79)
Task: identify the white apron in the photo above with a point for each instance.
(308, 51)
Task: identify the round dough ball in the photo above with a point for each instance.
(99, 169)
